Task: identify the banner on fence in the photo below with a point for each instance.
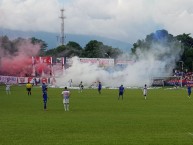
(8, 79)
(102, 62)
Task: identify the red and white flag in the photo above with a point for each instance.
(47, 60)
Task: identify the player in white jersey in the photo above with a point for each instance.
(70, 83)
(8, 89)
(145, 91)
(66, 95)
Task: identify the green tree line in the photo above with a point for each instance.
(96, 49)
(184, 42)
(93, 49)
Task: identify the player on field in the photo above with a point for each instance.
(28, 88)
(8, 89)
(145, 91)
(176, 84)
(66, 96)
(189, 89)
(81, 87)
(70, 83)
(99, 87)
(44, 87)
(45, 98)
(121, 91)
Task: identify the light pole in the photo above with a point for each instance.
(182, 65)
(192, 66)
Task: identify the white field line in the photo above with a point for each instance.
(190, 133)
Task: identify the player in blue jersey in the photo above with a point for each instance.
(99, 87)
(44, 87)
(189, 89)
(45, 98)
(121, 91)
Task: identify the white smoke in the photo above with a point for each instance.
(156, 62)
(85, 72)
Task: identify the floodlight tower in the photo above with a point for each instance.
(62, 26)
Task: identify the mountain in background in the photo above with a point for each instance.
(53, 40)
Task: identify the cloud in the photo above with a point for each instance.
(30, 15)
(126, 20)
(176, 16)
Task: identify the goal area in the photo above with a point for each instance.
(175, 81)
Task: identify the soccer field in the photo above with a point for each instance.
(165, 118)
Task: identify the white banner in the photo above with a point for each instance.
(124, 62)
(22, 80)
(102, 62)
(106, 62)
(25, 80)
(8, 79)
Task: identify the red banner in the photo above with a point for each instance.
(37, 59)
(47, 60)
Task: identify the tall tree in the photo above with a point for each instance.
(42, 44)
(7, 45)
(96, 49)
(69, 50)
(93, 49)
(153, 41)
(187, 45)
(74, 45)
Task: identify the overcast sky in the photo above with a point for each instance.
(126, 20)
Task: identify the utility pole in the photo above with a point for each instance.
(62, 26)
(182, 65)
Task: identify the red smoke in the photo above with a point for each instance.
(20, 63)
(16, 65)
(42, 68)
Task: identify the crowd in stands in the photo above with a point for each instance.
(185, 74)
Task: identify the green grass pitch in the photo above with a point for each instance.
(165, 118)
